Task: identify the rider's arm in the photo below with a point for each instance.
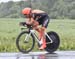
(30, 21)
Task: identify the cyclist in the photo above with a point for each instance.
(35, 18)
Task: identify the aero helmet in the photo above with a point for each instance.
(26, 11)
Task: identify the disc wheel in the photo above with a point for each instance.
(51, 47)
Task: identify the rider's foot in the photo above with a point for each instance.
(43, 46)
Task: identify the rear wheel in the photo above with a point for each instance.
(51, 47)
(23, 45)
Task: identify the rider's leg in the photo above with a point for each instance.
(44, 26)
(38, 29)
(41, 32)
(43, 38)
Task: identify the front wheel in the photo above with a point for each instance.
(51, 47)
(25, 42)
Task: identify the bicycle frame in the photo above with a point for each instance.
(32, 31)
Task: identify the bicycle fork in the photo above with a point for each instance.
(27, 37)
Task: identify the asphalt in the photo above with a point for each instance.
(39, 55)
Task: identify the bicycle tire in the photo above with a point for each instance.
(18, 40)
(56, 42)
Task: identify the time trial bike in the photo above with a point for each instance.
(26, 40)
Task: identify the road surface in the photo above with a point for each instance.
(39, 55)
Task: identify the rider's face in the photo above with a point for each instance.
(27, 16)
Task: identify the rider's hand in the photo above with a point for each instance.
(22, 23)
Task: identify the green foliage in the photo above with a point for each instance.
(9, 30)
(63, 8)
(12, 9)
(55, 8)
